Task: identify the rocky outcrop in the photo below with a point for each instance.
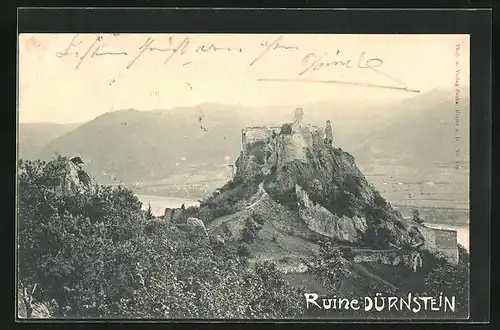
(69, 177)
(27, 308)
(299, 168)
(196, 224)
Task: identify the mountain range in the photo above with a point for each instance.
(34, 137)
(130, 146)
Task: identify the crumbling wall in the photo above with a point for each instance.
(251, 135)
(294, 145)
(441, 241)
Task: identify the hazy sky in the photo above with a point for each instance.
(65, 84)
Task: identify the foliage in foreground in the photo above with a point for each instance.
(97, 255)
(329, 265)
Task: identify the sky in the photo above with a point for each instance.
(68, 78)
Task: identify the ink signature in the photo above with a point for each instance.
(149, 45)
(273, 45)
(314, 62)
(310, 62)
(93, 50)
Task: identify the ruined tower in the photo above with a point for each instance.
(328, 133)
(299, 113)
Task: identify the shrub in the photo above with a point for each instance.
(249, 232)
(243, 251)
(450, 280)
(329, 265)
(286, 129)
(258, 150)
(378, 200)
(149, 212)
(258, 218)
(339, 202)
(96, 256)
(348, 253)
(416, 217)
(463, 255)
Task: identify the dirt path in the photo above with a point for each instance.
(260, 192)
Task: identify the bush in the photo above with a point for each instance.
(279, 299)
(463, 255)
(348, 253)
(258, 218)
(340, 202)
(329, 265)
(149, 212)
(450, 280)
(378, 200)
(227, 201)
(250, 231)
(243, 251)
(286, 129)
(96, 256)
(416, 217)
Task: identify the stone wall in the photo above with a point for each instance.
(286, 147)
(289, 144)
(294, 145)
(255, 134)
(441, 241)
(410, 259)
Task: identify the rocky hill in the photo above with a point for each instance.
(296, 186)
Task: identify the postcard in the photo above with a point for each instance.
(243, 176)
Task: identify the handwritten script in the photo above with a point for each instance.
(181, 49)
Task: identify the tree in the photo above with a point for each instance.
(463, 255)
(329, 265)
(64, 240)
(348, 253)
(149, 212)
(249, 232)
(243, 251)
(96, 256)
(275, 298)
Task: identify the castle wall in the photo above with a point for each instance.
(294, 146)
(318, 136)
(281, 147)
(410, 259)
(441, 241)
(254, 134)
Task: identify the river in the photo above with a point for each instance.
(159, 203)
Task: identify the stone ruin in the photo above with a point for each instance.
(295, 138)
